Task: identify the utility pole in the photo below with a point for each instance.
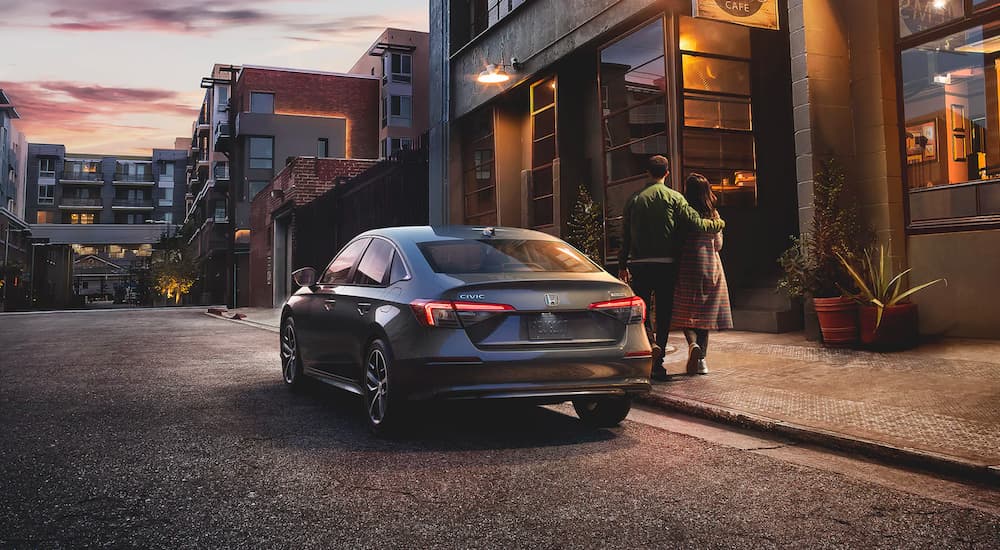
(231, 192)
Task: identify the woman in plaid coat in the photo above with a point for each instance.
(701, 297)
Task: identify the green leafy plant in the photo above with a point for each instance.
(811, 265)
(876, 284)
(584, 226)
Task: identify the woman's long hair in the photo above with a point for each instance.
(698, 192)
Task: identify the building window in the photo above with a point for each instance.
(46, 194)
(222, 170)
(221, 214)
(46, 217)
(385, 111)
(221, 98)
(168, 217)
(323, 148)
(262, 152)
(718, 131)
(542, 194)
(166, 171)
(919, 15)
(401, 66)
(256, 186)
(394, 145)
(478, 178)
(400, 110)
(951, 143)
(634, 119)
(46, 168)
(81, 218)
(261, 102)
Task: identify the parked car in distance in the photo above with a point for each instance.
(412, 314)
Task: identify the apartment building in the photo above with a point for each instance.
(273, 114)
(82, 189)
(8, 154)
(399, 58)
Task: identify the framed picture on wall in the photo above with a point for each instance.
(921, 142)
(958, 120)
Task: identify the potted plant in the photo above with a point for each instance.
(811, 266)
(887, 319)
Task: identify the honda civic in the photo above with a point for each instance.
(409, 314)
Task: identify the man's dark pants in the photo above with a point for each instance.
(656, 279)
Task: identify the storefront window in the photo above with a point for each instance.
(543, 153)
(479, 177)
(633, 96)
(951, 105)
(920, 15)
(718, 139)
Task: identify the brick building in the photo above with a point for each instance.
(274, 246)
(271, 116)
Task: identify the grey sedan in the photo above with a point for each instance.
(411, 314)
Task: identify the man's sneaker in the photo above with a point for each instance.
(668, 349)
(660, 375)
(702, 367)
(694, 357)
(657, 357)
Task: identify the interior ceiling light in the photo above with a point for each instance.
(942, 78)
(939, 4)
(493, 74)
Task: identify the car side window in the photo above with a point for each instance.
(340, 267)
(398, 271)
(374, 264)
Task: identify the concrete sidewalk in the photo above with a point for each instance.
(937, 406)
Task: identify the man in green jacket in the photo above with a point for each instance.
(655, 220)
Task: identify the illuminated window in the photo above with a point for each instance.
(46, 217)
(81, 218)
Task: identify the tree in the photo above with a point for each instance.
(584, 226)
(174, 269)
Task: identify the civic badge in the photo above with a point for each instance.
(551, 300)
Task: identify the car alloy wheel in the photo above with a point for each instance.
(291, 370)
(380, 409)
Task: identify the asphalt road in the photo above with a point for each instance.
(172, 429)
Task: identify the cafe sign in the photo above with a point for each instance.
(752, 13)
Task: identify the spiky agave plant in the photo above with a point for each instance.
(877, 286)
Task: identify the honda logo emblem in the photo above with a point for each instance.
(551, 300)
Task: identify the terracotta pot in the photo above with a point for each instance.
(838, 321)
(898, 329)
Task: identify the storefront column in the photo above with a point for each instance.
(844, 100)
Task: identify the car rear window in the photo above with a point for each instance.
(504, 256)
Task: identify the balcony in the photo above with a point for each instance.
(133, 180)
(76, 177)
(132, 204)
(76, 203)
(222, 137)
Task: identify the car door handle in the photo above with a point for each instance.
(364, 307)
(328, 304)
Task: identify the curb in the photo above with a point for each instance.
(241, 320)
(927, 460)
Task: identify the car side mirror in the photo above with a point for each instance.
(305, 276)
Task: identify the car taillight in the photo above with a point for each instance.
(443, 314)
(626, 310)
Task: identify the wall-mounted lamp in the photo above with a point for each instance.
(496, 74)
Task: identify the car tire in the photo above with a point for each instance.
(381, 409)
(603, 412)
(291, 360)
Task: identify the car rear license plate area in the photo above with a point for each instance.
(548, 327)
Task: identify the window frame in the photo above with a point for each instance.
(405, 77)
(49, 199)
(45, 173)
(323, 144)
(258, 94)
(973, 16)
(251, 158)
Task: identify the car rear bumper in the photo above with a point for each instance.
(542, 381)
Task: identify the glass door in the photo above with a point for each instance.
(542, 205)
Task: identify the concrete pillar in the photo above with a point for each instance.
(844, 101)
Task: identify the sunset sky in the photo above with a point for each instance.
(121, 76)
